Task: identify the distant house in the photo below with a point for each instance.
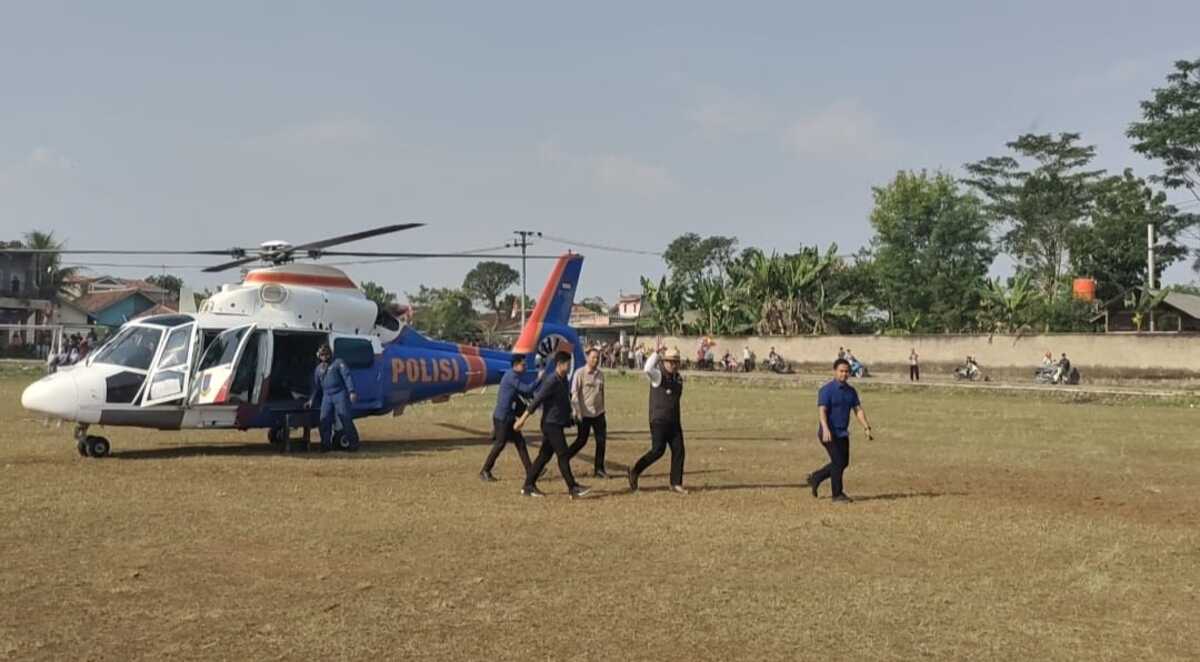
(583, 317)
(22, 302)
(1176, 313)
(628, 307)
(79, 286)
(115, 307)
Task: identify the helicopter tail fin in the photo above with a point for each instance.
(549, 326)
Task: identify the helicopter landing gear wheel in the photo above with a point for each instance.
(343, 443)
(97, 446)
(277, 436)
(81, 446)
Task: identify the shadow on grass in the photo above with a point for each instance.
(894, 496)
(385, 447)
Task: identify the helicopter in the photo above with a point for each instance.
(245, 359)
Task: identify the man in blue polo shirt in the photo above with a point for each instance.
(508, 407)
(835, 401)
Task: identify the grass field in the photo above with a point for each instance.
(986, 527)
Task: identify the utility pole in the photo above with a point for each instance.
(1150, 268)
(523, 243)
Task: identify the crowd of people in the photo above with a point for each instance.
(577, 400)
(75, 348)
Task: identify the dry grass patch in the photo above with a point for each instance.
(987, 528)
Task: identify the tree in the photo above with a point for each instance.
(1009, 308)
(487, 281)
(51, 276)
(664, 304)
(376, 292)
(595, 304)
(690, 257)
(445, 313)
(172, 284)
(512, 302)
(931, 252)
(1113, 246)
(1039, 206)
(1170, 128)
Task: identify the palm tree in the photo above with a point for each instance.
(50, 276)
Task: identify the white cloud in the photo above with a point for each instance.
(612, 172)
(47, 158)
(331, 132)
(728, 113)
(844, 130)
(625, 173)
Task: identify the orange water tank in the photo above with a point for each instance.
(1084, 289)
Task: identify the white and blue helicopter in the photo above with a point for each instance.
(245, 359)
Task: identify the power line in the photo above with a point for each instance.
(600, 247)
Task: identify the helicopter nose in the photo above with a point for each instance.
(54, 395)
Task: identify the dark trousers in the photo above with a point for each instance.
(839, 459)
(914, 373)
(663, 435)
(337, 406)
(502, 433)
(586, 425)
(554, 442)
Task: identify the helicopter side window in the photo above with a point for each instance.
(134, 347)
(222, 350)
(356, 353)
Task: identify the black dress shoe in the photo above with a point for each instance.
(532, 492)
(487, 477)
(842, 498)
(813, 484)
(633, 480)
(580, 491)
(600, 473)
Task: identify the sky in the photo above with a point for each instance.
(209, 125)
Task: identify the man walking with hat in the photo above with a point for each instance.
(666, 428)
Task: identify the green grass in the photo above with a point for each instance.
(988, 527)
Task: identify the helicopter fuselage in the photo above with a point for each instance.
(246, 360)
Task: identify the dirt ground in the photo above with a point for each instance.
(986, 527)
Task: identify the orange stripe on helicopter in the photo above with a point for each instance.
(311, 280)
(528, 340)
(476, 366)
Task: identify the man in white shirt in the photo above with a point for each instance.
(587, 399)
(666, 429)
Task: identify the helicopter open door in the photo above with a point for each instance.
(170, 376)
(216, 373)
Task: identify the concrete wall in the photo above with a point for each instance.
(1115, 351)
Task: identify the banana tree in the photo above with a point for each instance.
(666, 302)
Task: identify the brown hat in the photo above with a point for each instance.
(671, 355)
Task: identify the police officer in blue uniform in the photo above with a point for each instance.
(835, 402)
(333, 391)
(508, 407)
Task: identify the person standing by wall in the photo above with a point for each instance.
(587, 399)
(835, 402)
(666, 428)
(554, 398)
(914, 366)
(508, 407)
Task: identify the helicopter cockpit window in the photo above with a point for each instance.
(134, 347)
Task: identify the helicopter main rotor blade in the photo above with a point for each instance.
(229, 265)
(357, 236)
(70, 251)
(494, 256)
(313, 248)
